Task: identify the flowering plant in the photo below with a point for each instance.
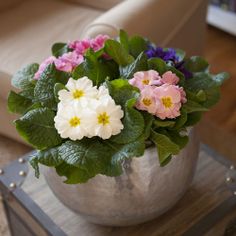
(97, 102)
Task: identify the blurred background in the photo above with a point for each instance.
(30, 27)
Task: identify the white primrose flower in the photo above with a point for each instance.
(71, 121)
(103, 93)
(105, 119)
(79, 90)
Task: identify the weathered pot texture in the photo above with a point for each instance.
(143, 192)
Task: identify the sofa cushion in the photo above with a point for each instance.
(6, 5)
(100, 4)
(29, 30)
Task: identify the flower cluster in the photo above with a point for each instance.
(68, 61)
(160, 95)
(85, 111)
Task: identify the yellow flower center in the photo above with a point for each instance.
(147, 101)
(78, 94)
(74, 121)
(167, 102)
(145, 81)
(103, 118)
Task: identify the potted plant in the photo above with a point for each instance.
(114, 118)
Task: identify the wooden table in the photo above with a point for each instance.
(206, 209)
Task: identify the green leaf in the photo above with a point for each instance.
(121, 91)
(117, 52)
(166, 161)
(33, 160)
(137, 45)
(201, 96)
(212, 97)
(58, 49)
(47, 157)
(180, 140)
(94, 70)
(220, 78)
(164, 123)
(181, 120)
(192, 106)
(17, 103)
(23, 80)
(148, 121)
(165, 147)
(193, 118)
(37, 128)
(157, 64)
(133, 124)
(74, 175)
(140, 64)
(126, 151)
(196, 64)
(44, 89)
(124, 40)
(90, 157)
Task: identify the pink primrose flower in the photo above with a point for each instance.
(170, 78)
(142, 79)
(147, 100)
(169, 98)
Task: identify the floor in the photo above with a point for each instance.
(218, 127)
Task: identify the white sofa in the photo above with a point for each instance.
(30, 27)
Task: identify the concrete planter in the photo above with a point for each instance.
(143, 192)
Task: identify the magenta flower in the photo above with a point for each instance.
(68, 61)
(170, 78)
(43, 66)
(147, 100)
(98, 42)
(80, 46)
(169, 105)
(142, 79)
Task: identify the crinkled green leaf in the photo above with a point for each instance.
(44, 89)
(73, 174)
(121, 91)
(157, 64)
(193, 118)
(18, 103)
(47, 157)
(23, 79)
(220, 78)
(181, 120)
(37, 128)
(58, 49)
(165, 147)
(196, 64)
(140, 64)
(95, 70)
(148, 121)
(118, 53)
(192, 106)
(133, 124)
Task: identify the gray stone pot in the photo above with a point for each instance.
(143, 192)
